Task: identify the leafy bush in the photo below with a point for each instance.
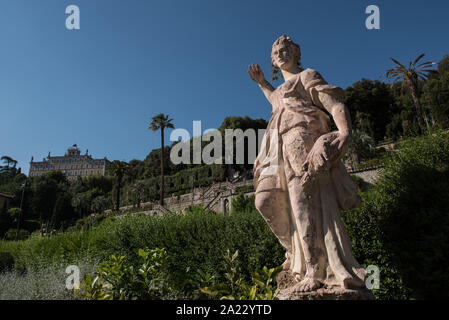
(118, 279)
(12, 234)
(402, 225)
(235, 287)
(63, 248)
(100, 204)
(195, 241)
(243, 203)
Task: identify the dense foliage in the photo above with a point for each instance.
(50, 203)
(402, 227)
(403, 223)
(372, 106)
(195, 241)
(118, 279)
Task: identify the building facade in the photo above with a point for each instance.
(73, 164)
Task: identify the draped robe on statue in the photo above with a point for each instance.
(297, 202)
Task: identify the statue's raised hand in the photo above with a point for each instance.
(256, 74)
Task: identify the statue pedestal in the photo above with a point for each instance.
(286, 284)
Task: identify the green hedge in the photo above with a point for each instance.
(402, 225)
(193, 241)
(198, 240)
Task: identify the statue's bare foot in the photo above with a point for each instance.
(307, 284)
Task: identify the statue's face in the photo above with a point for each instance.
(283, 55)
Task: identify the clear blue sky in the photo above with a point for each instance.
(99, 86)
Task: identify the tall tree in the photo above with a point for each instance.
(81, 203)
(443, 65)
(361, 148)
(119, 170)
(372, 105)
(411, 76)
(161, 122)
(436, 99)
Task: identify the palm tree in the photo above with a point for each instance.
(119, 170)
(361, 147)
(161, 121)
(411, 76)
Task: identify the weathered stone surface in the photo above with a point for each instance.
(286, 291)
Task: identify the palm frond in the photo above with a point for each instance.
(419, 58)
(393, 74)
(428, 70)
(398, 63)
(161, 121)
(426, 64)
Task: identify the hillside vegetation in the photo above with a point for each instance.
(402, 227)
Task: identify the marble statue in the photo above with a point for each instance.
(301, 193)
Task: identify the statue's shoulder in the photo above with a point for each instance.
(310, 74)
(311, 77)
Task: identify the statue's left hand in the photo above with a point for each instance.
(340, 144)
(327, 149)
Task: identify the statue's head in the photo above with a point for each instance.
(285, 53)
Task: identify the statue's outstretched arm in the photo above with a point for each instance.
(257, 76)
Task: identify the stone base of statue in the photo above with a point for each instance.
(286, 291)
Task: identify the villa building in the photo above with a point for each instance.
(73, 164)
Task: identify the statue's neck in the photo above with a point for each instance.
(290, 73)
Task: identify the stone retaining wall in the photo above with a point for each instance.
(218, 197)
